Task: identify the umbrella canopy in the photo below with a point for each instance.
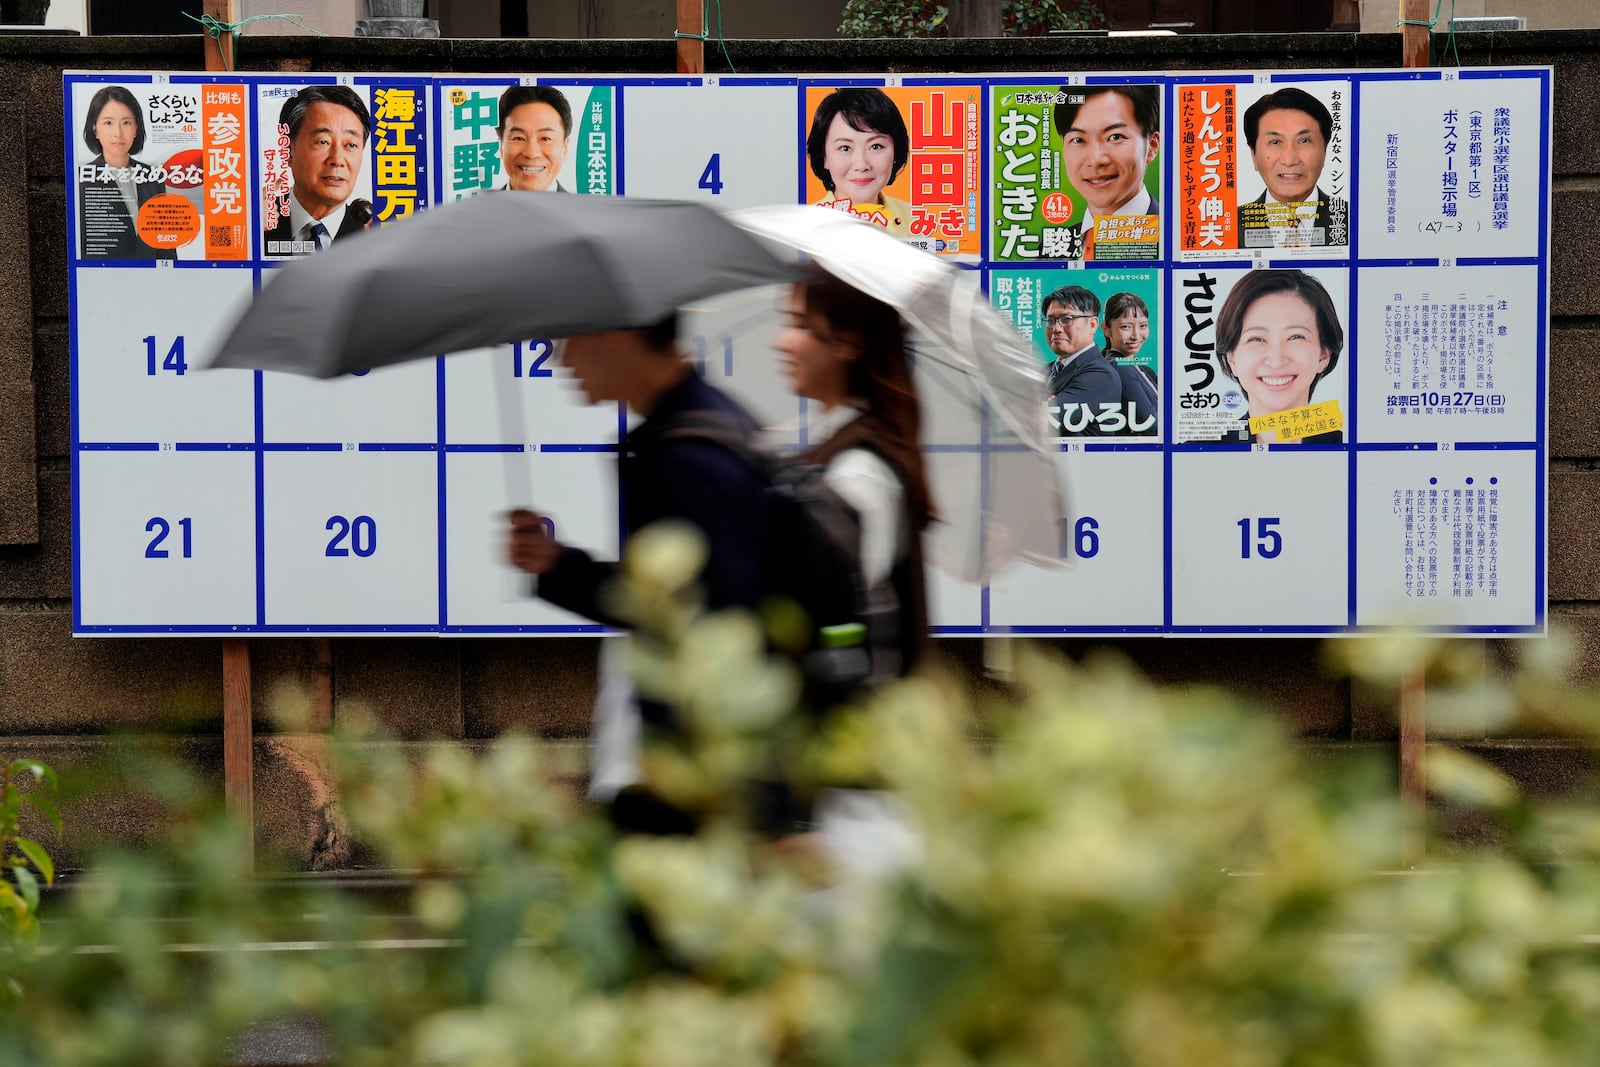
(492, 270)
(980, 383)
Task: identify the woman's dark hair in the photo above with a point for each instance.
(1260, 283)
(97, 104)
(1120, 304)
(866, 109)
(880, 376)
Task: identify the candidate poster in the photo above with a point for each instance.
(1076, 172)
(526, 135)
(904, 158)
(1097, 334)
(159, 170)
(1263, 166)
(1259, 356)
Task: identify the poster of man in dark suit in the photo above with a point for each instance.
(328, 127)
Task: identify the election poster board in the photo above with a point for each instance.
(1291, 328)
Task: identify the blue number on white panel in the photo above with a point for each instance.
(173, 361)
(360, 534)
(1268, 541)
(711, 177)
(161, 528)
(539, 352)
(1085, 540)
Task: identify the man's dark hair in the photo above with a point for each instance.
(1075, 297)
(1146, 101)
(1286, 99)
(1260, 283)
(662, 334)
(868, 110)
(518, 95)
(295, 108)
(98, 103)
(1119, 304)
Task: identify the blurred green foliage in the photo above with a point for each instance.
(926, 18)
(1118, 875)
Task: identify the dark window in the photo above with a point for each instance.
(142, 16)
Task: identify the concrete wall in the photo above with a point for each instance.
(61, 699)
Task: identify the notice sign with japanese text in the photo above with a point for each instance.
(1291, 332)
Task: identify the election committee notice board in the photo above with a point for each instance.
(1315, 306)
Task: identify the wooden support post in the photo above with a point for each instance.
(1415, 34)
(691, 37)
(219, 50)
(238, 740)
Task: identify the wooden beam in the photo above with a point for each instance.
(691, 37)
(238, 740)
(1415, 33)
(219, 50)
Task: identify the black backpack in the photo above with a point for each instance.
(815, 602)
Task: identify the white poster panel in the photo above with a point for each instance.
(1447, 538)
(1261, 539)
(1453, 168)
(352, 539)
(718, 142)
(141, 336)
(1450, 353)
(166, 538)
(1114, 540)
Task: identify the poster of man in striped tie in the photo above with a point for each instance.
(323, 131)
